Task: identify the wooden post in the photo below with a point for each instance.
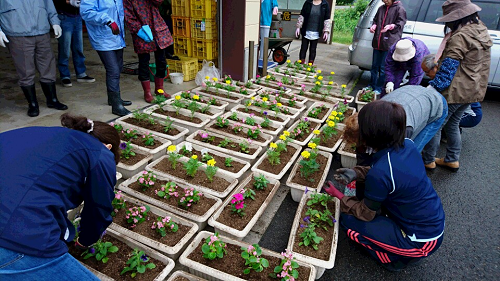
(251, 55)
(265, 56)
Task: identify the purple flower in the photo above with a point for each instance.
(265, 113)
(333, 219)
(91, 250)
(123, 146)
(306, 219)
(306, 191)
(302, 225)
(305, 119)
(144, 258)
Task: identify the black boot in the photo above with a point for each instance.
(30, 94)
(117, 104)
(124, 102)
(49, 90)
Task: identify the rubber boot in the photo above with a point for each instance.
(117, 104)
(30, 94)
(49, 90)
(159, 86)
(146, 86)
(124, 102)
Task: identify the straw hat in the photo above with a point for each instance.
(405, 50)
(457, 9)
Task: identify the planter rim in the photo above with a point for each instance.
(296, 168)
(301, 102)
(183, 131)
(265, 88)
(257, 118)
(300, 99)
(362, 102)
(268, 138)
(229, 101)
(205, 118)
(311, 135)
(285, 169)
(343, 152)
(286, 118)
(128, 170)
(336, 145)
(317, 104)
(164, 141)
(220, 107)
(250, 93)
(182, 273)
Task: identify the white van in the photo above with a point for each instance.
(421, 24)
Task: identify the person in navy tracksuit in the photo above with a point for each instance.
(45, 172)
(397, 182)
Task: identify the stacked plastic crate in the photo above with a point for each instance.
(195, 35)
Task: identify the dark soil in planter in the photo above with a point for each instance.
(179, 116)
(145, 229)
(232, 263)
(235, 221)
(157, 127)
(138, 141)
(205, 101)
(269, 128)
(270, 114)
(313, 126)
(218, 140)
(199, 110)
(133, 159)
(276, 169)
(324, 247)
(242, 133)
(117, 262)
(181, 278)
(320, 116)
(269, 86)
(219, 94)
(349, 148)
(218, 184)
(330, 142)
(315, 177)
(219, 161)
(200, 208)
(348, 113)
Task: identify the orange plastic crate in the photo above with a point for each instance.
(183, 46)
(181, 26)
(180, 8)
(203, 29)
(204, 49)
(203, 8)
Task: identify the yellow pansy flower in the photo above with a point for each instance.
(310, 64)
(171, 148)
(282, 137)
(194, 157)
(312, 145)
(160, 91)
(316, 132)
(207, 77)
(330, 83)
(299, 61)
(196, 97)
(273, 145)
(286, 133)
(288, 61)
(331, 124)
(318, 83)
(344, 85)
(308, 69)
(228, 82)
(211, 162)
(334, 113)
(320, 78)
(252, 98)
(215, 79)
(279, 104)
(177, 97)
(319, 70)
(268, 76)
(305, 154)
(264, 99)
(337, 119)
(332, 73)
(340, 113)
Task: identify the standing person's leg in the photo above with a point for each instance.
(264, 33)
(161, 71)
(112, 64)
(16, 266)
(381, 77)
(46, 65)
(312, 50)
(22, 50)
(374, 71)
(77, 52)
(454, 143)
(144, 76)
(303, 49)
(431, 129)
(63, 48)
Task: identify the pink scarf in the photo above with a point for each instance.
(440, 50)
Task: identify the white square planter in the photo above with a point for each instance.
(279, 127)
(184, 274)
(347, 159)
(215, 111)
(221, 194)
(231, 102)
(212, 274)
(183, 123)
(311, 135)
(235, 233)
(320, 265)
(200, 220)
(298, 190)
(336, 145)
(271, 86)
(342, 125)
(299, 103)
(251, 158)
(280, 73)
(148, 251)
(328, 109)
(221, 107)
(268, 138)
(360, 104)
(174, 139)
(285, 169)
(128, 171)
(285, 119)
(172, 252)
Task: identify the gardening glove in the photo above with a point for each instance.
(57, 30)
(325, 36)
(275, 11)
(372, 29)
(389, 87)
(80, 246)
(3, 39)
(345, 175)
(388, 27)
(114, 28)
(333, 191)
(75, 3)
(297, 32)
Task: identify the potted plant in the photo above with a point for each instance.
(273, 108)
(340, 112)
(246, 110)
(302, 131)
(237, 130)
(278, 158)
(363, 97)
(162, 127)
(289, 99)
(214, 103)
(198, 213)
(267, 126)
(131, 160)
(330, 137)
(207, 254)
(347, 154)
(318, 112)
(314, 235)
(243, 208)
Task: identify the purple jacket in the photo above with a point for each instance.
(395, 70)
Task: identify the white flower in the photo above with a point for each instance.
(204, 151)
(189, 146)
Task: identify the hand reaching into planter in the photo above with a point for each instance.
(345, 175)
(332, 190)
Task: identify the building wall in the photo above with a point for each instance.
(252, 17)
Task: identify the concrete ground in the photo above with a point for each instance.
(470, 250)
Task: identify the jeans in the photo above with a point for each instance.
(470, 119)
(113, 63)
(161, 65)
(312, 44)
(71, 40)
(16, 266)
(431, 129)
(264, 32)
(451, 128)
(378, 70)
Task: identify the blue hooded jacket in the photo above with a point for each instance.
(45, 172)
(97, 14)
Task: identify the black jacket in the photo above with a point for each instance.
(306, 11)
(394, 14)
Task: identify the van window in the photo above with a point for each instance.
(412, 8)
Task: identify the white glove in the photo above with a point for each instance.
(297, 32)
(325, 36)
(75, 3)
(3, 39)
(275, 11)
(57, 30)
(389, 87)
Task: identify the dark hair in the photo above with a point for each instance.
(382, 124)
(454, 25)
(105, 133)
(351, 131)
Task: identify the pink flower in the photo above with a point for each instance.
(172, 226)
(203, 84)
(151, 183)
(239, 206)
(204, 135)
(141, 180)
(238, 196)
(135, 220)
(144, 172)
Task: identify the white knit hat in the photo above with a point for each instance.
(405, 50)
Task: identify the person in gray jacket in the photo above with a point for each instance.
(426, 109)
(24, 30)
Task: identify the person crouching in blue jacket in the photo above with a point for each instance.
(47, 171)
(414, 225)
(105, 24)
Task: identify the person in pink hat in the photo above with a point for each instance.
(462, 78)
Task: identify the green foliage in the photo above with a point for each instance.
(100, 251)
(228, 161)
(252, 258)
(260, 182)
(191, 166)
(137, 263)
(213, 248)
(309, 237)
(346, 21)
